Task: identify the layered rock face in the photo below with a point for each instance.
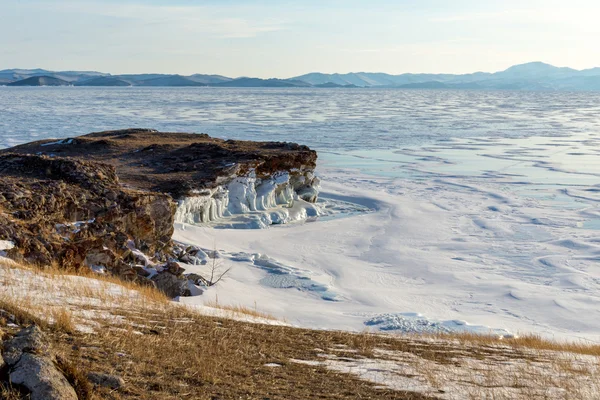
(110, 198)
(75, 212)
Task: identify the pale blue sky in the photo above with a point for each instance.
(286, 38)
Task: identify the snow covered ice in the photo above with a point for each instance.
(451, 243)
(438, 210)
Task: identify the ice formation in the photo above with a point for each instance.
(277, 199)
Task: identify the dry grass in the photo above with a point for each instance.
(17, 311)
(147, 292)
(71, 299)
(9, 393)
(176, 354)
(240, 310)
(76, 377)
(63, 320)
(528, 342)
(167, 351)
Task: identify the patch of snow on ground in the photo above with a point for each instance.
(88, 300)
(500, 376)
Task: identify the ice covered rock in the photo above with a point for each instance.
(110, 199)
(271, 200)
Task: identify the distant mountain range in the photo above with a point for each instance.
(530, 76)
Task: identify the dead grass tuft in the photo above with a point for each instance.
(63, 320)
(19, 313)
(9, 393)
(76, 377)
(239, 309)
(526, 342)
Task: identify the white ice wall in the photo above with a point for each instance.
(248, 194)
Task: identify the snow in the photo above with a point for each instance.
(63, 141)
(229, 314)
(88, 300)
(502, 375)
(442, 238)
(5, 245)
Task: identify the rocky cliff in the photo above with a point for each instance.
(110, 199)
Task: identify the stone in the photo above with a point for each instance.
(171, 285)
(106, 380)
(30, 340)
(141, 271)
(174, 268)
(94, 199)
(196, 279)
(43, 380)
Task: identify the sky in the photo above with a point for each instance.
(283, 38)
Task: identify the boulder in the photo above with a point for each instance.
(174, 268)
(40, 376)
(30, 340)
(171, 285)
(111, 381)
(196, 279)
(31, 365)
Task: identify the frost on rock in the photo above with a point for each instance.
(278, 199)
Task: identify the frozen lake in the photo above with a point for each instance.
(486, 205)
(321, 118)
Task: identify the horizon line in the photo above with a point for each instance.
(307, 73)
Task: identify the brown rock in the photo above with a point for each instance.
(174, 268)
(91, 199)
(171, 285)
(111, 381)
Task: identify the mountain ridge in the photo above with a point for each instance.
(529, 76)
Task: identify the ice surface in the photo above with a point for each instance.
(489, 252)
(334, 120)
(416, 323)
(460, 206)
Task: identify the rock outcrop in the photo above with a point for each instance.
(76, 212)
(31, 366)
(110, 199)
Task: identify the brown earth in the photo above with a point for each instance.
(175, 163)
(120, 187)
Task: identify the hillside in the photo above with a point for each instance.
(257, 82)
(40, 81)
(110, 339)
(530, 76)
(103, 81)
(536, 76)
(209, 79)
(171, 80)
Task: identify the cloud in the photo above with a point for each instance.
(215, 21)
(577, 14)
(480, 16)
